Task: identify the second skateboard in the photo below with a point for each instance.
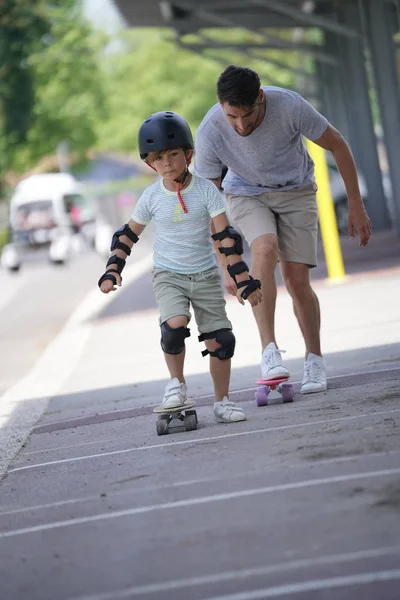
(282, 386)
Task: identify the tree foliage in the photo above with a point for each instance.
(58, 83)
(51, 88)
(152, 73)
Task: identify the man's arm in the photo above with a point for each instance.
(359, 221)
(216, 181)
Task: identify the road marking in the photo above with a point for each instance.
(313, 586)
(228, 576)
(189, 482)
(140, 510)
(201, 440)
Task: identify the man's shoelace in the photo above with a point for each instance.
(273, 357)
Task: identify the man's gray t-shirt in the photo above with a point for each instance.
(272, 158)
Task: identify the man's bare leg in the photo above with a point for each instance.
(307, 311)
(265, 257)
(305, 304)
(264, 252)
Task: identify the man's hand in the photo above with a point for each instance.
(229, 284)
(107, 285)
(359, 222)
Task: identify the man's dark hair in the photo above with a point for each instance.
(238, 86)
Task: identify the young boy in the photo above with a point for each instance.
(184, 208)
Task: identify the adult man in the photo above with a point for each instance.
(257, 133)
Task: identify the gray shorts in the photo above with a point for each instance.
(175, 293)
(291, 215)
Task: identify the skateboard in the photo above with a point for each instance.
(184, 413)
(268, 385)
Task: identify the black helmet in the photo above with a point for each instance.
(164, 130)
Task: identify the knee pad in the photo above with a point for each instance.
(226, 338)
(173, 339)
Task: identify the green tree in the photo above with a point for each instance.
(149, 74)
(152, 73)
(22, 24)
(51, 89)
(69, 96)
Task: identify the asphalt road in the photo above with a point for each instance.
(34, 305)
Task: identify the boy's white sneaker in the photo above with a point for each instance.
(175, 394)
(314, 379)
(271, 363)
(228, 412)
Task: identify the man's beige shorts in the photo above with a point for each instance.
(291, 215)
(175, 293)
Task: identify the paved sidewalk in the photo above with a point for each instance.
(301, 499)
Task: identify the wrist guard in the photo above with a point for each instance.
(250, 284)
(117, 245)
(237, 269)
(229, 232)
(108, 275)
(116, 260)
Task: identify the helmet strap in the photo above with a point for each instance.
(182, 180)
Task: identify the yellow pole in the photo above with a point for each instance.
(327, 217)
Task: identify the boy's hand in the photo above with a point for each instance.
(107, 285)
(254, 298)
(229, 284)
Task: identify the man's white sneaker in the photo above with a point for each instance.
(314, 379)
(175, 394)
(271, 363)
(228, 412)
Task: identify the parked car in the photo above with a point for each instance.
(48, 213)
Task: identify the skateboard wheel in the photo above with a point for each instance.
(162, 425)
(190, 422)
(287, 392)
(192, 412)
(261, 397)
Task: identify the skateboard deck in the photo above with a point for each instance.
(160, 409)
(281, 385)
(184, 413)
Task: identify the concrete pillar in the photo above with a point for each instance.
(379, 20)
(331, 85)
(362, 135)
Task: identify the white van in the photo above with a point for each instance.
(47, 212)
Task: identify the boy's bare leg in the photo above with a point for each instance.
(221, 373)
(175, 362)
(264, 251)
(225, 411)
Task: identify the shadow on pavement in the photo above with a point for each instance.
(369, 366)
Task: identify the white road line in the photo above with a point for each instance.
(22, 405)
(140, 510)
(242, 574)
(189, 482)
(313, 586)
(201, 440)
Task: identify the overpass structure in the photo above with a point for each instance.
(355, 60)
